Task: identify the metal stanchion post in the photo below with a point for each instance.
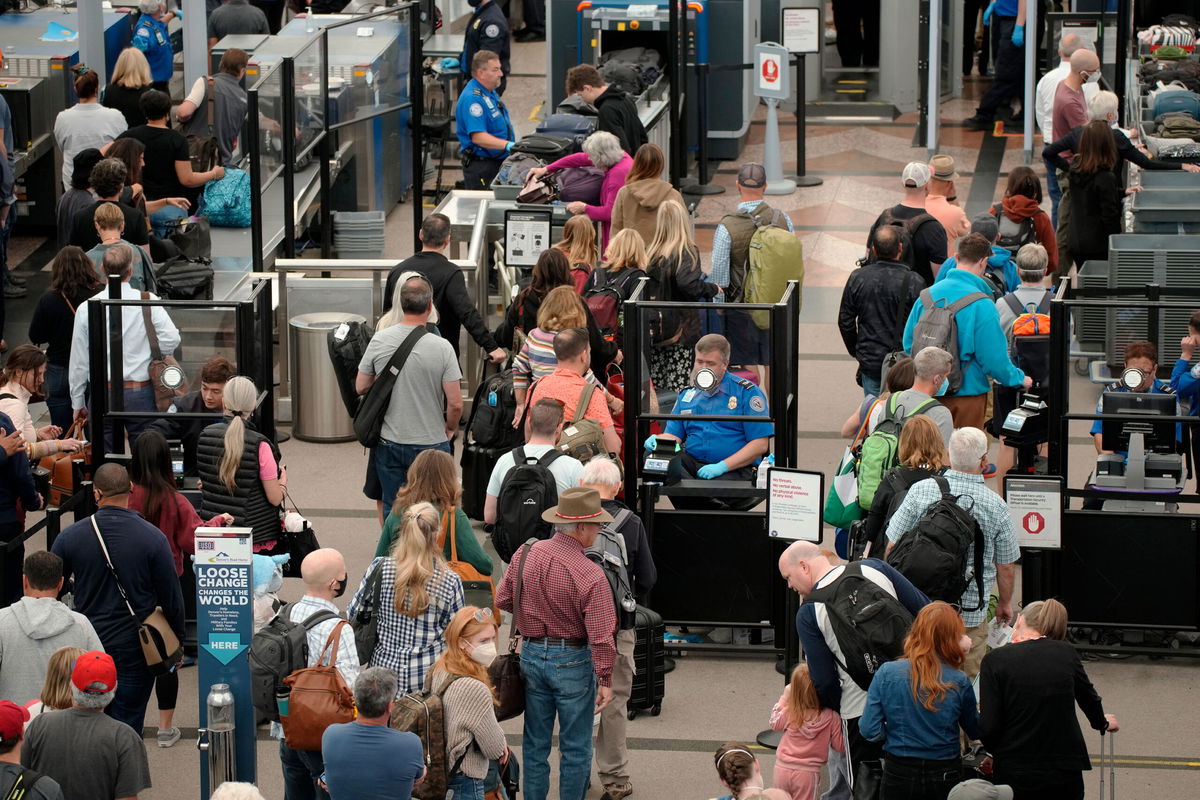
(703, 187)
(800, 178)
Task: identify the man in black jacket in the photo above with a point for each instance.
(617, 113)
(208, 399)
(450, 297)
(875, 306)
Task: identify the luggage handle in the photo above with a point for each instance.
(1108, 744)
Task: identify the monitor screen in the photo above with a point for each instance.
(712, 571)
(1159, 436)
(1114, 571)
(177, 460)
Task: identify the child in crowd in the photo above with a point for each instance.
(809, 731)
(741, 774)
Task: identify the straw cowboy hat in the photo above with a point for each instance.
(577, 505)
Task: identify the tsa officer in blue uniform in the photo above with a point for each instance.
(485, 133)
(718, 449)
(152, 38)
(487, 30)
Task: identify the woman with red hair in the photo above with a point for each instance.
(473, 736)
(917, 704)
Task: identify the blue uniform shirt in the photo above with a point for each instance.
(486, 30)
(152, 38)
(1158, 387)
(709, 441)
(1185, 380)
(481, 110)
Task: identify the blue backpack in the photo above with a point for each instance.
(226, 202)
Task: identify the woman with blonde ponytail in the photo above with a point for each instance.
(418, 596)
(241, 473)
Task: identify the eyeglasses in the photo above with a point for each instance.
(482, 614)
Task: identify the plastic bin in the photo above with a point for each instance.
(318, 413)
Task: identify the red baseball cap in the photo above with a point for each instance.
(12, 720)
(94, 667)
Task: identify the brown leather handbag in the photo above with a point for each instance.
(478, 589)
(66, 469)
(505, 672)
(166, 375)
(319, 697)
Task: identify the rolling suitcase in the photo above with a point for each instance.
(477, 464)
(1108, 753)
(649, 657)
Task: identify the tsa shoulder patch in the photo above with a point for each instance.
(476, 110)
(492, 31)
(757, 404)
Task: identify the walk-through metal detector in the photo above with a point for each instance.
(715, 568)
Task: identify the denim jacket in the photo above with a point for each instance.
(908, 729)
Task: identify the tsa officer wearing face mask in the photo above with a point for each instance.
(487, 30)
(725, 450)
(485, 133)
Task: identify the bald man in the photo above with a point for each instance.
(324, 574)
(809, 571)
(1044, 105)
(141, 556)
(1070, 111)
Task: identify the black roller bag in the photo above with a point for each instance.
(649, 663)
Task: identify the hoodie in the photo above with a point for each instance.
(30, 631)
(1000, 262)
(807, 746)
(617, 113)
(1018, 208)
(637, 205)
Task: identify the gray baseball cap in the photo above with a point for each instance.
(752, 176)
(979, 789)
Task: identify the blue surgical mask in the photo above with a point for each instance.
(945, 387)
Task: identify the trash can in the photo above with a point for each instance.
(318, 413)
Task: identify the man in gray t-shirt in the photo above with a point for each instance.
(932, 368)
(426, 402)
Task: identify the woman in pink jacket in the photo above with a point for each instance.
(808, 733)
(601, 150)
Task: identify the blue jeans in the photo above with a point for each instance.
(140, 399)
(392, 461)
(1054, 189)
(162, 221)
(558, 681)
(870, 384)
(466, 788)
(134, 685)
(301, 768)
(58, 396)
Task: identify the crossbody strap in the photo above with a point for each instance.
(113, 570)
(68, 302)
(398, 359)
(151, 334)
(331, 645)
(585, 399)
(516, 626)
(211, 91)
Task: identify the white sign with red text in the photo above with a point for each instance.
(794, 501)
(1035, 507)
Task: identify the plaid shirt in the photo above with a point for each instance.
(999, 539)
(318, 635)
(564, 594)
(408, 646)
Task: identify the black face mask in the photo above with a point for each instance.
(341, 587)
(474, 3)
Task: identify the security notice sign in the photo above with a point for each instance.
(224, 627)
(772, 72)
(526, 235)
(794, 499)
(801, 29)
(1035, 507)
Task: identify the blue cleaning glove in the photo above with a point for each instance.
(651, 443)
(710, 471)
(1018, 37)
(449, 63)
(987, 13)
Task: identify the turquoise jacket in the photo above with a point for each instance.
(1000, 261)
(982, 347)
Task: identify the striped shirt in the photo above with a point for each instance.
(537, 360)
(564, 594)
(999, 539)
(408, 646)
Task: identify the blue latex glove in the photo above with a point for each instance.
(987, 13)
(651, 443)
(710, 471)
(449, 63)
(1018, 37)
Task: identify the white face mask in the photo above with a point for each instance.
(484, 653)
(1093, 77)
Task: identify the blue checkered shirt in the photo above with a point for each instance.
(318, 635)
(999, 538)
(720, 250)
(408, 646)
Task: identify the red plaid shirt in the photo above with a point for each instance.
(564, 594)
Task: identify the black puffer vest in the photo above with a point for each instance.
(247, 502)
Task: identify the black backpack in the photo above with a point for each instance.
(492, 412)
(183, 279)
(933, 553)
(1014, 235)
(347, 343)
(606, 299)
(526, 491)
(869, 623)
(278, 649)
(908, 233)
(610, 553)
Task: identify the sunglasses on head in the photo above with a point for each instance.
(482, 614)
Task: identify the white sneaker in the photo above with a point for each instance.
(168, 736)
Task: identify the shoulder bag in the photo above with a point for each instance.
(366, 620)
(65, 470)
(368, 420)
(160, 645)
(166, 375)
(203, 151)
(478, 589)
(318, 697)
(505, 672)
